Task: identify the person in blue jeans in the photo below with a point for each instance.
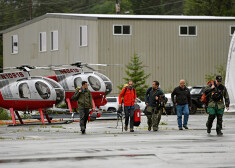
(183, 103)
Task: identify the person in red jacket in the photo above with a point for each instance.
(129, 99)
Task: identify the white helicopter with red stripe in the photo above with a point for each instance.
(21, 92)
(71, 78)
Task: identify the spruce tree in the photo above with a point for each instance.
(136, 73)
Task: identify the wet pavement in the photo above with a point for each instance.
(104, 145)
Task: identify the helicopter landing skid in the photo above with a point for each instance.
(38, 123)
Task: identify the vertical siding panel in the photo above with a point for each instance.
(169, 56)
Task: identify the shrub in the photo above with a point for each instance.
(3, 114)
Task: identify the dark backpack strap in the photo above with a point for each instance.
(125, 91)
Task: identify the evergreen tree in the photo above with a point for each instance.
(209, 7)
(136, 73)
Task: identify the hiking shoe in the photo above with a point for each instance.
(219, 133)
(186, 127)
(208, 130)
(125, 128)
(131, 130)
(83, 131)
(180, 128)
(155, 129)
(149, 128)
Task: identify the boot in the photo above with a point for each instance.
(83, 131)
(149, 128)
(209, 123)
(208, 130)
(125, 128)
(219, 133)
(131, 130)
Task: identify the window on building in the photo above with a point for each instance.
(83, 36)
(232, 29)
(42, 41)
(188, 31)
(54, 40)
(14, 44)
(121, 29)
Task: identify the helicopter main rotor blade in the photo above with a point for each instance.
(90, 68)
(106, 64)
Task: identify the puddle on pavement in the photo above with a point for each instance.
(78, 158)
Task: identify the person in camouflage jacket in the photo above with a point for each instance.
(84, 98)
(216, 94)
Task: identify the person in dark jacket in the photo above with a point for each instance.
(84, 98)
(183, 103)
(129, 99)
(217, 93)
(151, 100)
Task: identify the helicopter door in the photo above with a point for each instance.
(24, 91)
(77, 82)
(94, 83)
(43, 90)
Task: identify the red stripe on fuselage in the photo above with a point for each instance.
(23, 105)
(53, 77)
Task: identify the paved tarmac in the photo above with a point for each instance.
(104, 145)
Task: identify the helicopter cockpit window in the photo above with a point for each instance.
(104, 78)
(53, 84)
(77, 82)
(94, 82)
(43, 90)
(24, 91)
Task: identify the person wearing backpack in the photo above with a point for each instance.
(183, 103)
(153, 113)
(84, 98)
(217, 93)
(128, 94)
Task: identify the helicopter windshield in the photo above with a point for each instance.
(94, 82)
(53, 83)
(109, 87)
(77, 82)
(43, 90)
(24, 91)
(104, 78)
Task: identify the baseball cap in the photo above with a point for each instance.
(219, 78)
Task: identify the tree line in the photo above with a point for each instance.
(14, 12)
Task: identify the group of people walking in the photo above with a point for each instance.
(216, 95)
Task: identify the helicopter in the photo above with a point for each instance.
(71, 78)
(21, 92)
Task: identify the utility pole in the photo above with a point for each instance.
(31, 9)
(117, 7)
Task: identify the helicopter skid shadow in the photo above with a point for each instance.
(36, 123)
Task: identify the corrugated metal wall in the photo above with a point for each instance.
(69, 49)
(169, 57)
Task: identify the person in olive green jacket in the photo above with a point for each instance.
(84, 98)
(216, 94)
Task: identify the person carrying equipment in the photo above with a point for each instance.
(129, 99)
(84, 98)
(153, 112)
(217, 93)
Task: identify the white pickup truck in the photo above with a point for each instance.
(113, 104)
